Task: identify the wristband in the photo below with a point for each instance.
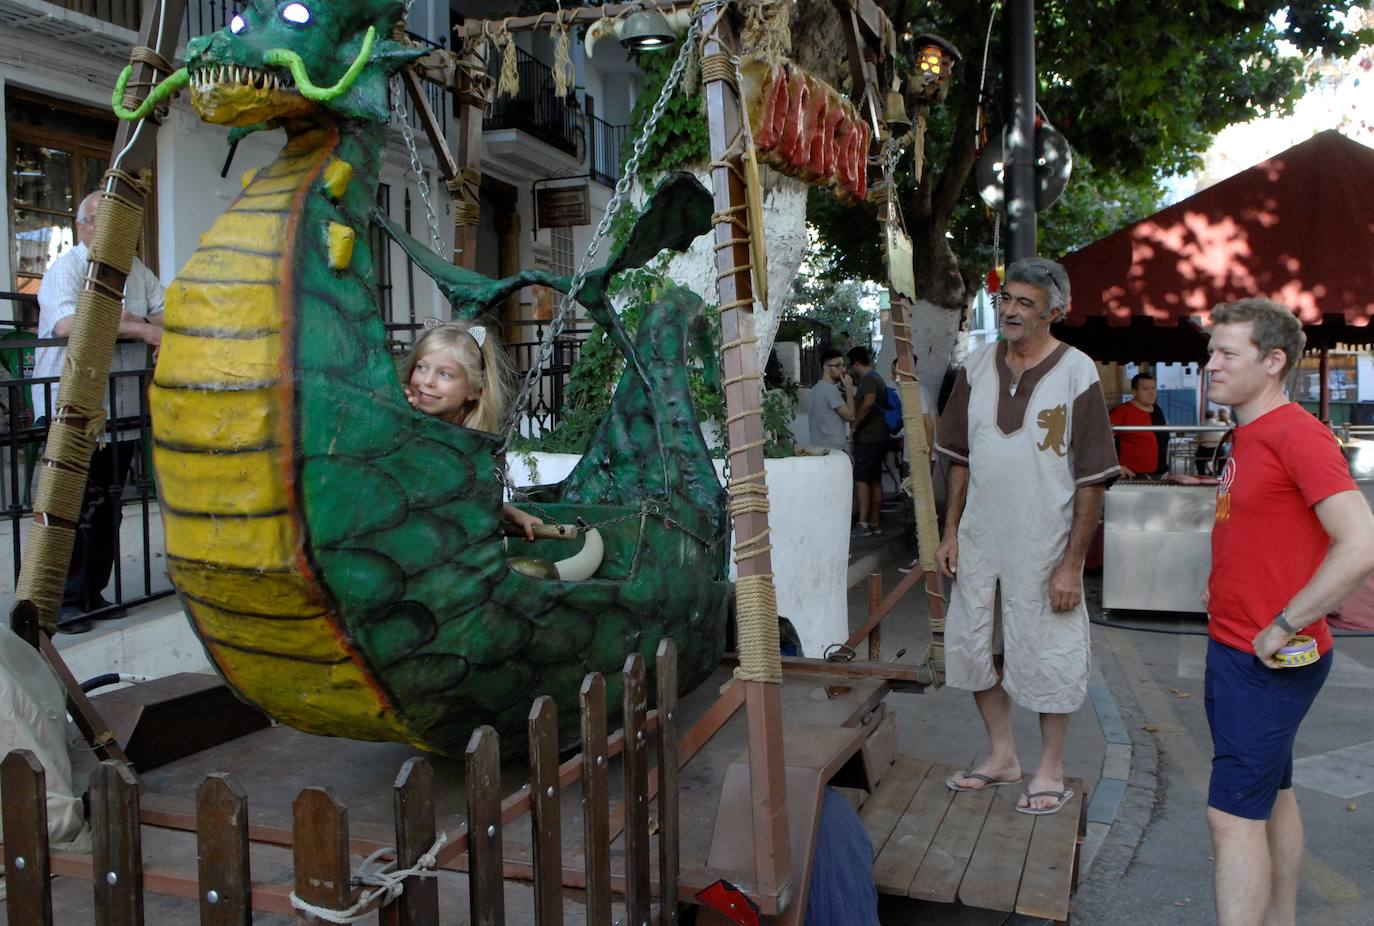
(1281, 619)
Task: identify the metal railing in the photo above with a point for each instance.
(605, 142)
(535, 109)
(137, 576)
(123, 13)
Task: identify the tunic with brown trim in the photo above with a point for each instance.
(1028, 448)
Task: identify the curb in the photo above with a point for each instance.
(1122, 807)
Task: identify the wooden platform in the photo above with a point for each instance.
(972, 847)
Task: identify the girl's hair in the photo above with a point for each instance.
(485, 367)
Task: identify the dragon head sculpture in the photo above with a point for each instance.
(279, 60)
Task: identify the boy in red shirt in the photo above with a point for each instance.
(1293, 538)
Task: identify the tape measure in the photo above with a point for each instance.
(1300, 651)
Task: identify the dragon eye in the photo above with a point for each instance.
(297, 13)
(237, 24)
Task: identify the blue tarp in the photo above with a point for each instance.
(842, 890)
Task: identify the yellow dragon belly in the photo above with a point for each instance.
(222, 400)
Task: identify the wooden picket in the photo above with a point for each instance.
(25, 821)
(545, 822)
(486, 890)
(665, 661)
(635, 771)
(117, 853)
(413, 801)
(222, 849)
(319, 852)
(596, 801)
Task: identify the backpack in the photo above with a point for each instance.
(891, 404)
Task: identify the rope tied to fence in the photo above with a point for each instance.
(386, 885)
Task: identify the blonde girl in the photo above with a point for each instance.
(457, 373)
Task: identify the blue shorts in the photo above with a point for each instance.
(1254, 712)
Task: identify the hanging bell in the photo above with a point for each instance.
(895, 113)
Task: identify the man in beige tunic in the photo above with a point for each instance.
(1030, 447)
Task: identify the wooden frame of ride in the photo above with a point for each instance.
(772, 878)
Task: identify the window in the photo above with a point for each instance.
(58, 152)
(561, 250)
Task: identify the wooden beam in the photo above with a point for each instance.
(743, 393)
(466, 188)
(579, 16)
(901, 676)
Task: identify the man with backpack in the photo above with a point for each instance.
(871, 440)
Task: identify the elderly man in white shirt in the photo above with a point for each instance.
(94, 551)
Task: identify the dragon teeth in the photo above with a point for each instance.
(208, 78)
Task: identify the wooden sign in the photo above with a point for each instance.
(561, 207)
(901, 275)
(805, 128)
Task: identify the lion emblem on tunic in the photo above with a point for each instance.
(1055, 421)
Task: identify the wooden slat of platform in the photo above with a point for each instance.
(943, 867)
(972, 846)
(1048, 878)
(896, 866)
(888, 803)
(994, 872)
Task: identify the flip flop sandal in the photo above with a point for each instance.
(952, 782)
(1060, 799)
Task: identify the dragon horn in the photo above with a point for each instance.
(285, 57)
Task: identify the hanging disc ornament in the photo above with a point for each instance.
(1053, 165)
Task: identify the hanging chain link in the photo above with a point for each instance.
(622, 188)
(398, 89)
(996, 259)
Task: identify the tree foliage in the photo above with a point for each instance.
(835, 304)
(1138, 87)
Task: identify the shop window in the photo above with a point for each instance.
(58, 152)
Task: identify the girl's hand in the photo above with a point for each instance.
(410, 397)
(521, 519)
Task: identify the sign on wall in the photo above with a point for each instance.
(562, 207)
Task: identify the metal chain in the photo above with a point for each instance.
(996, 259)
(622, 188)
(398, 89)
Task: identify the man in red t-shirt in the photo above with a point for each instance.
(1139, 451)
(1293, 538)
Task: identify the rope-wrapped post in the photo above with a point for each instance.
(78, 421)
(760, 664)
(474, 92)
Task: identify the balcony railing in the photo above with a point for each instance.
(604, 144)
(123, 13)
(535, 109)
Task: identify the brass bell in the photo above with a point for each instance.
(895, 113)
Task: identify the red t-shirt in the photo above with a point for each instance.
(1139, 449)
(1267, 541)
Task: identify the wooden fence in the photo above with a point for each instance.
(322, 851)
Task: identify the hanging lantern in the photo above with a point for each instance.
(935, 61)
(647, 30)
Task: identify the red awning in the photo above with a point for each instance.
(1297, 228)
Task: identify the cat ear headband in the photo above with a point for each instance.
(478, 332)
